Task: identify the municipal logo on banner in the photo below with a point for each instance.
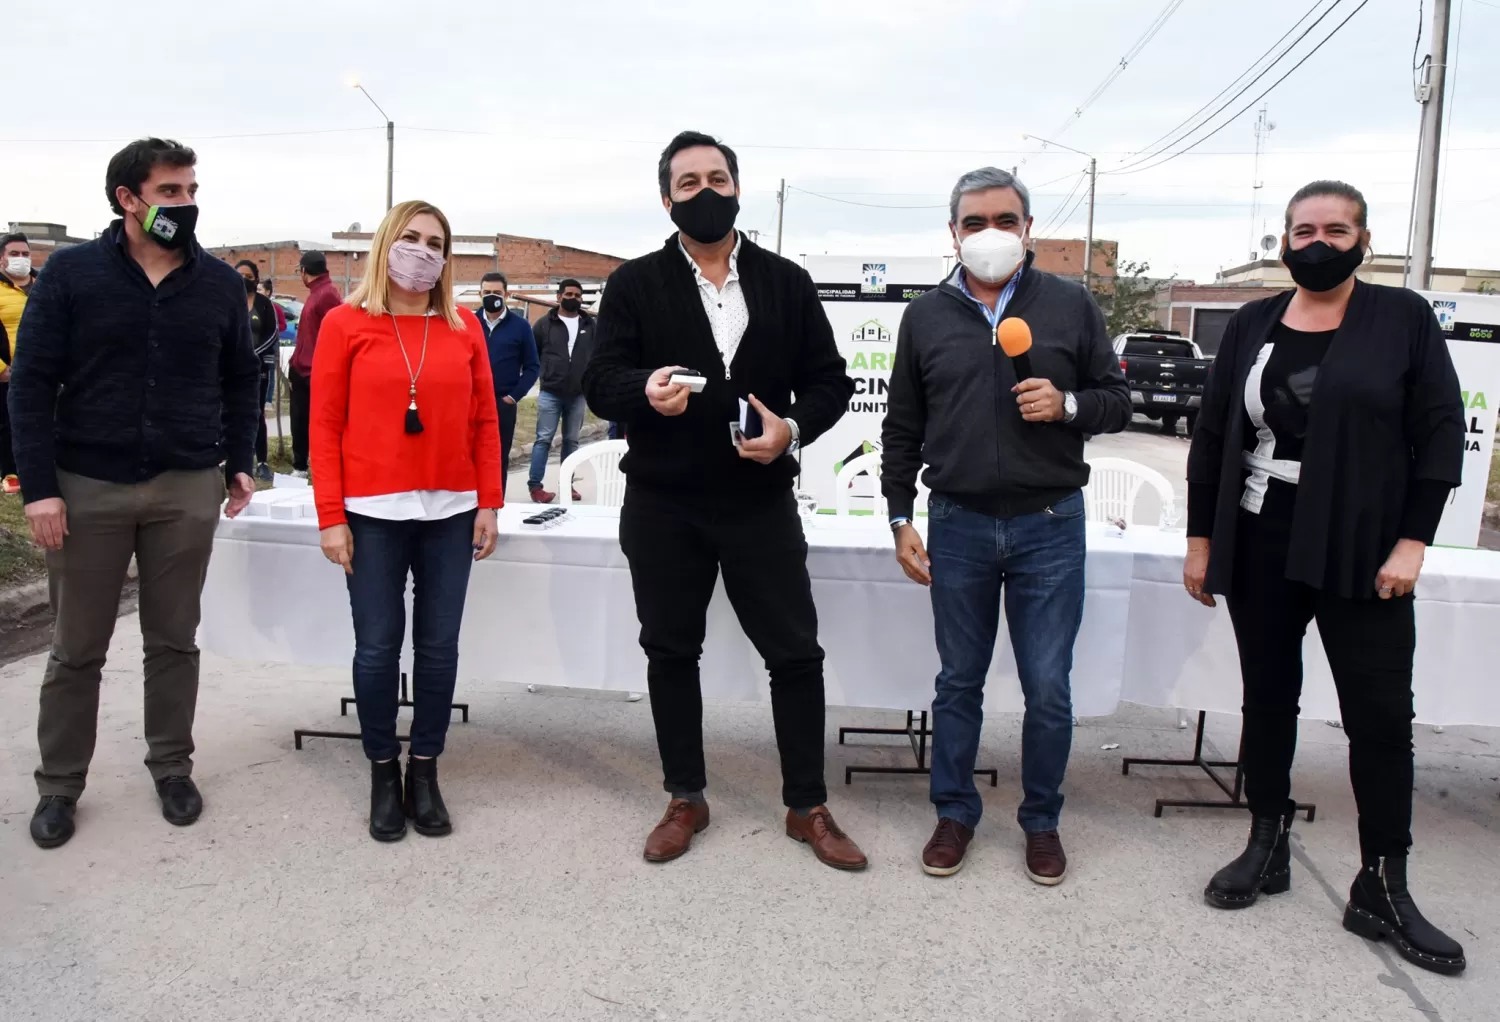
(871, 331)
(1447, 314)
(872, 278)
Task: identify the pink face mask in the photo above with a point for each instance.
(414, 267)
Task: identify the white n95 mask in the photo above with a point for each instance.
(992, 255)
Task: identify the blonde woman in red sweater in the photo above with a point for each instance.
(405, 445)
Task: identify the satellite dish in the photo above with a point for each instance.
(1268, 243)
(354, 227)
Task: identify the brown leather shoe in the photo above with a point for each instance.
(830, 844)
(674, 834)
(1046, 863)
(944, 854)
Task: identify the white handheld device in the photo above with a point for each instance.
(689, 379)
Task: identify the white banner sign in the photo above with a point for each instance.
(1472, 325)
(864, 298)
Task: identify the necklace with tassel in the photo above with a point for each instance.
(413, 419)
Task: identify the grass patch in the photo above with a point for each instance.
(20, 560)
(526, 421)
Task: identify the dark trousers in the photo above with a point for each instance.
(676, 546)
(301, 409)
(7, 454)
(262, 448)
(1370, 644)
(168, 524)
(437, 555)
(507, 438)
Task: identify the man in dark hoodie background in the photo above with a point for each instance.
(564, 342)
(1002, 439)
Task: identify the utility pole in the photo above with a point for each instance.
(390, 147)
(1263, 129)
(1088, 245)
(1430, 94)
(780, 213)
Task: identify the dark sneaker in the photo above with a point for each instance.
(180, 802)
(944, 854)
(1046, 862)
(52, 823)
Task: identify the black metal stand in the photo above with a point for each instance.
(917, 732)
(1235, 790)
(344, 703)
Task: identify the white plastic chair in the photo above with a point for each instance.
(609, 481)
(867, 463)
(1114, 485)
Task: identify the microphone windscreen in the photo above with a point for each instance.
(1013, 336)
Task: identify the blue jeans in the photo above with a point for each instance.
(550, 408)
(438, 556)
(1037, 560)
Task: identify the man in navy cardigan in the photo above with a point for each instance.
(513, 357)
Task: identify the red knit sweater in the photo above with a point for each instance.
(359, 445)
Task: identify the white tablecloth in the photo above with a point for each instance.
(554, 607)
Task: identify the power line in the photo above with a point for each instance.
(1063, 204)
(851, 202)
(1119, 69)
(1064, 221)
(1194, 116)
(1137, 169)
(1458, 45)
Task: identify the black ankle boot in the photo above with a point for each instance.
(424, 802)
(1265, 866)
(387, 821)
(1381, 907)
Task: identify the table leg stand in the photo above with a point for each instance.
(917, 732)
(1235, 789)
(301, 733)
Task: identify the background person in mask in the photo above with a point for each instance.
(135, 383)
(263, 331)
(1010, 524)
(16, 276)
(564, 341)
(1331, 434)
(513, 358)
(696, 502)
(406, 476)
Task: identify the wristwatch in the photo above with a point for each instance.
(896, 523)
(1070, 406)
(796, 444)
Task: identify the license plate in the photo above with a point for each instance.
(1166, 399)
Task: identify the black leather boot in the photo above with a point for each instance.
(1381, 907)
(387, 821)
(424, 802)
(52, 823)
(1264, 867)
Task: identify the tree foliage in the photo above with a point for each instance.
(1128, 299)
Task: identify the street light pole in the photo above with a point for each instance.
(1425, 212)
(780, 212)
(1088, 244)
(390, 148)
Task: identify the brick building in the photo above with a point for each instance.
(1201, 311)
(529, 263)
(1064, 257)
(43, 238)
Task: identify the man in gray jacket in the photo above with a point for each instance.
(1000, 372)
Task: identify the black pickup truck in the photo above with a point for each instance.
(1166, 373)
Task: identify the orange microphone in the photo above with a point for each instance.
(1014, 338)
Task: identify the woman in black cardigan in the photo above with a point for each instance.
(1330, 436)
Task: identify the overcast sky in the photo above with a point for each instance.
(546, 119)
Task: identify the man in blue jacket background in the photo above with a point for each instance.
(513, 358)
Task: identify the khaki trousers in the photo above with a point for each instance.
(168, 524)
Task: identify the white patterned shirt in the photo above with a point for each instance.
(728, 314)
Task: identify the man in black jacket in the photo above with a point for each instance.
(132, 401)
(697, 501)
(1001, 431)
(564, 343)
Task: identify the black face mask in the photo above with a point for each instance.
(1320, 266)
(250, 286)
(707, 217)
(571, 305)
(171, 227)
(493, 303)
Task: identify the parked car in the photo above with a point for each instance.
(1166, 373)
(292, 309)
